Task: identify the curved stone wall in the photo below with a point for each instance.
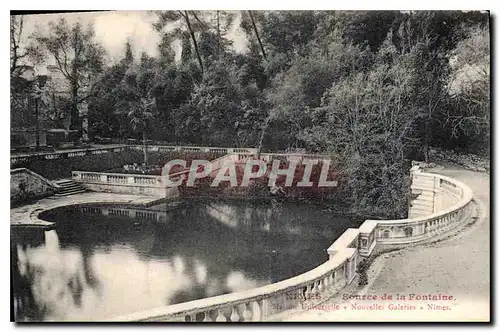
(439, 205)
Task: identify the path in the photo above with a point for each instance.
(458, 266)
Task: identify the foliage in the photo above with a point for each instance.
(375, 89)
(78, 56)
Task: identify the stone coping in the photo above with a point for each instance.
(242, 297)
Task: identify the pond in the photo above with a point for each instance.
(103, 261)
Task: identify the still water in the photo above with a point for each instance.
(104, 261)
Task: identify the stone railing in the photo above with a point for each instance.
(440, 204)
(24, 158)
(218, 150)
(451, 204)
(241, 156)
(117, 178)
(135, 184)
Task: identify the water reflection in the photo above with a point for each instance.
(104, 261)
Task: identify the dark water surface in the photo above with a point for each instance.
(105, 261)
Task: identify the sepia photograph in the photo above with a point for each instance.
(250, 166)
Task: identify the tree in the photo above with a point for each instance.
(368, 28)
(135, 96)
(300, 88)
(103, 119)
(255, 31)
(140, 115)
(214, 42)
(16, 54)
(430, 36)
(185, 28)
(77, 56)
(466, 119)
(367, 121)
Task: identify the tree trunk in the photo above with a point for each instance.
(257, 35)
(262, 134)
(218, 36)
(427, 135)
(144, 147)
(74, 107)
(191, 32)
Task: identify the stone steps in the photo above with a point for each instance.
(69, 187)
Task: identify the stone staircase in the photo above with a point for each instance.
(69, 187)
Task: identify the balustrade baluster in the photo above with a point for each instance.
(308, 293)
(314, 289)
(260, 315)
(220, 316)
(206, 316)
(326, 282)
(320, 287)
(247, 312)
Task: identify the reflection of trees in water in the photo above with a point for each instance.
(200, 286)
(44, 287)
(271, 241)
(278, 216)
(25, 307)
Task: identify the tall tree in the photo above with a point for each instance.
(77, 55)
(140, 114)
(135, 96)
(466, 119)
(184, 26)
(102, 118)
(16, 53)
(257, 35)
(367, 121)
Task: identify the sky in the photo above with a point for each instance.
(112, 29)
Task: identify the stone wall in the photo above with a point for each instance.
(26, 185)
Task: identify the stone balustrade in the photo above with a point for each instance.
(134, 184)
(268, 157)
(117, 178)
(258, 304)
(451, 205)
(24, 158)
(217, 150)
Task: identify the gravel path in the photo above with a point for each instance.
(458, 267)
